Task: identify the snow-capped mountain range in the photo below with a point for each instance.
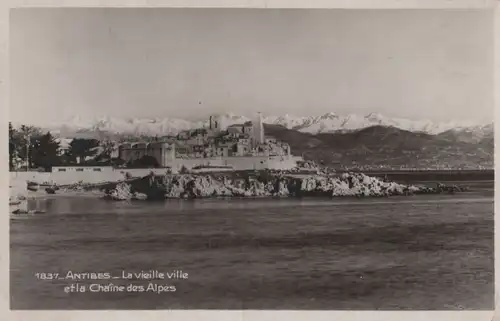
(327, 123)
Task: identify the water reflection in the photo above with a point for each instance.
(94, 205)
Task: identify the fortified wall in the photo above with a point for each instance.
(70, 175)
(240, 162)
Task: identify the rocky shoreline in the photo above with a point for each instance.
(261, 184)
(191, 186)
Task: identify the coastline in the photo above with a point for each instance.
(262, 185)
(19, 196)
(265, 184)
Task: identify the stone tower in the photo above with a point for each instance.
(168, 154)
(215, 123)
(258, 130)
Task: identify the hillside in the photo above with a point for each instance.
(387, 147)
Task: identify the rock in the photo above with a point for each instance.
(270, 184)
(139, 196)
(120, 193)
(50, 190)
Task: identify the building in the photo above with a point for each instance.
(216, 124)
(64, 145)
(257, 131)
(240, 129)
(242, 146)
(56, 169)
(184, 135)
(164, 153)
(270, 140)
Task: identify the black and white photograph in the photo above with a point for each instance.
(251, 159)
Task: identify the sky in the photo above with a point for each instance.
(190, 63)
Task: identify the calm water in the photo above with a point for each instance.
(421, 252)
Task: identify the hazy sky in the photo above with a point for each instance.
(418, 64)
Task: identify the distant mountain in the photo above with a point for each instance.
(327, 123)
(372, 140)
(471, 134)
(331, 122)
(383, 146)
(137, 126)
(360, 141)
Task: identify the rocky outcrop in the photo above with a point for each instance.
(269, 185)
(120, 193)
(356, 184)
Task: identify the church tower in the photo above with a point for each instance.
(215, 123)
(258, 130)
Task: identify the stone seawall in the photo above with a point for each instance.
(118, 174)
(241, 162)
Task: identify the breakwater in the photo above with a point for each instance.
(436, 176)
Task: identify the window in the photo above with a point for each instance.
(97, 169)
(62, 169)
(79, 169)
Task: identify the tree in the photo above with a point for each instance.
(107, 147)
(45, 152)
(82, 148)
(12, 146)
(24, 140)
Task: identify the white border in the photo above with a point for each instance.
(6, 314)
(324, 4)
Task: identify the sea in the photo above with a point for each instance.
(423, 252)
